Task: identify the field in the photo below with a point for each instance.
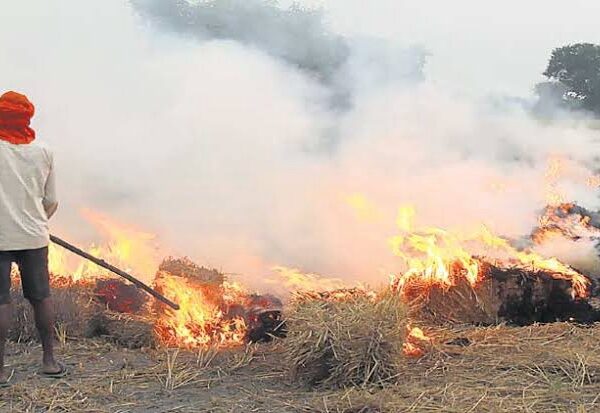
(540, 368)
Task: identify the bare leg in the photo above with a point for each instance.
(4, 324)
(44, 321)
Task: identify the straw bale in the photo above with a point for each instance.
(184, 267)
(208, 283)
(345, 343)
(514, 295)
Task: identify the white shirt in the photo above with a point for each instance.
(27, 195)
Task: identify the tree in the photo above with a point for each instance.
(577, 68)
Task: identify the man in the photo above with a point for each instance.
(27, 201)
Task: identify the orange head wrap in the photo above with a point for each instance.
(15, 114)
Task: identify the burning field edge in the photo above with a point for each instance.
(442, 336)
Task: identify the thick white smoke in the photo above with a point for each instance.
(242, 158)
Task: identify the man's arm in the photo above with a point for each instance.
(50, 201)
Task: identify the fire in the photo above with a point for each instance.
(433, 256)
(201, 321)
(593, 181)
(533, 260)
(127, 247)
(566, 220)
(555, 170)
(363, 209)
(208, 315)
(560, 168)
(415, 340)
(213, 311)
(295, 280)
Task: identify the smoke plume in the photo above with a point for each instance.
(247, 135)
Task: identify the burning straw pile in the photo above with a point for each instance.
(213, 311)
(351, 341)
(513, 294)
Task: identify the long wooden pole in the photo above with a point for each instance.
(115, 270)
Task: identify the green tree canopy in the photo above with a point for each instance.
(577, 68)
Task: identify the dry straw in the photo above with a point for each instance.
(73, 311)
(78, 315)
(352, 342)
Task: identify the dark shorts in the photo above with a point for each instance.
(33, 267)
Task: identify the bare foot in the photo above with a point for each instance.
(54, 369)
(51, 367)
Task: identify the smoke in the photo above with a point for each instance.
(296, 35)
(246, 135)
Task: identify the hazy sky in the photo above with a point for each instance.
(477, 46)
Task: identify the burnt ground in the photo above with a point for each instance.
(542, 368)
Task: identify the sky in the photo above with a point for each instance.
(478, 47)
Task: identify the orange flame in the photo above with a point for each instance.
(295, 280)
(363, 208)
(204, 318)
(415, 340)
(201, 320)
(127, 247)
(433, 256)
(561, 168)
(555, 170)
(593, 181)
(563, 221)
(430, 255)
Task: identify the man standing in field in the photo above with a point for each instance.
(27, 201)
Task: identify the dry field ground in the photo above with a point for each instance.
(542, 368)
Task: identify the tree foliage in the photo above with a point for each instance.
(298, 35)
(577, 68)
